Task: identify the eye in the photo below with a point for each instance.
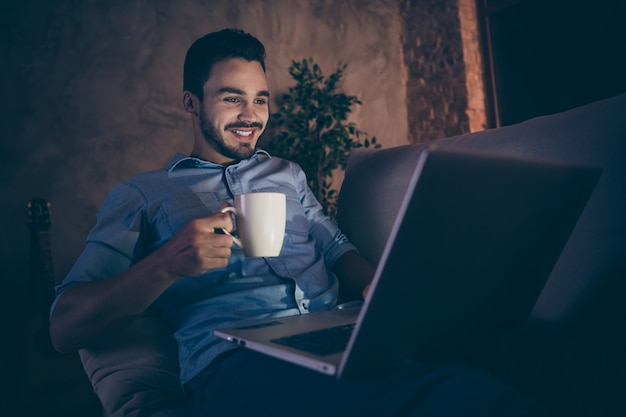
(261, 101)
(232, 99)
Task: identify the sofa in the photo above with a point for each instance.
(569, 356)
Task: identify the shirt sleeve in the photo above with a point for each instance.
(329, 239)
(115, 242)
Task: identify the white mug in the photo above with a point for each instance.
(260, 223)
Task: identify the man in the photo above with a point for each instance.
(156, 245)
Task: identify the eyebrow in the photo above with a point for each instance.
(233, 90)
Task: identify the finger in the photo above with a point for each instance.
(221, 240)
(216, 252)
(214, 221)
(225, 220)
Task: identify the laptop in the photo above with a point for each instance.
(475, 239)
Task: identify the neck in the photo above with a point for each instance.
(212, 156)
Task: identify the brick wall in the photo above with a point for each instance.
(444, 91)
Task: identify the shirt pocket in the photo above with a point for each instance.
(182, 207)
(297, 225)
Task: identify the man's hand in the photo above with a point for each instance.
(355, 274)
(197, 248)
(366, 291)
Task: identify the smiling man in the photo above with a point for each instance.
(228, 118)
(155, 246)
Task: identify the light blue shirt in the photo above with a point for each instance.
(144, 212)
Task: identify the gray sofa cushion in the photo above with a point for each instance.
(591, 135)
(594, 134)
(137, 373)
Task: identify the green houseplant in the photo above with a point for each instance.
(311, 128)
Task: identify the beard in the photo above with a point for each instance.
(217, 142)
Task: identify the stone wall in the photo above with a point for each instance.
(92, 89)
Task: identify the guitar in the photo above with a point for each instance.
(41, 283)
(50, 383)
(41, 275)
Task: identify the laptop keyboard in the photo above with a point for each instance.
(320, 342)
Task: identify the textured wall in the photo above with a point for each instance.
(92, 93)
(433, 54)
(91, 90)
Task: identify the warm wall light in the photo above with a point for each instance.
(476, 112)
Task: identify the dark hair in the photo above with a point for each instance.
(215, 47)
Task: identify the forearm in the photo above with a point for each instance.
(354, 273)
(90, 312)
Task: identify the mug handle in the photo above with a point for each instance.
(236, 240)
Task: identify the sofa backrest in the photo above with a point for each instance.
(595, 135)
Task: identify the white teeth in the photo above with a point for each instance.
(242, 133)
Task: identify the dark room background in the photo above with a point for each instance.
(91, 90)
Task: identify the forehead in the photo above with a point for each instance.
(237, 73)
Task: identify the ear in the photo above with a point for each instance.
(190, 102)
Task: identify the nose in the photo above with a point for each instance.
(247, 113)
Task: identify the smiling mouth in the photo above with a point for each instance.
(243, 136)
(244, 133)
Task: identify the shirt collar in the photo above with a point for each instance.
(185, 161)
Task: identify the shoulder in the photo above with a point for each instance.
(141, 184)
(279, 164)
(134, 193)
(147, 179)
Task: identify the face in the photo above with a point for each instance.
(234, 111)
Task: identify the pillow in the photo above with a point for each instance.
(137, 373)
(593, 259)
